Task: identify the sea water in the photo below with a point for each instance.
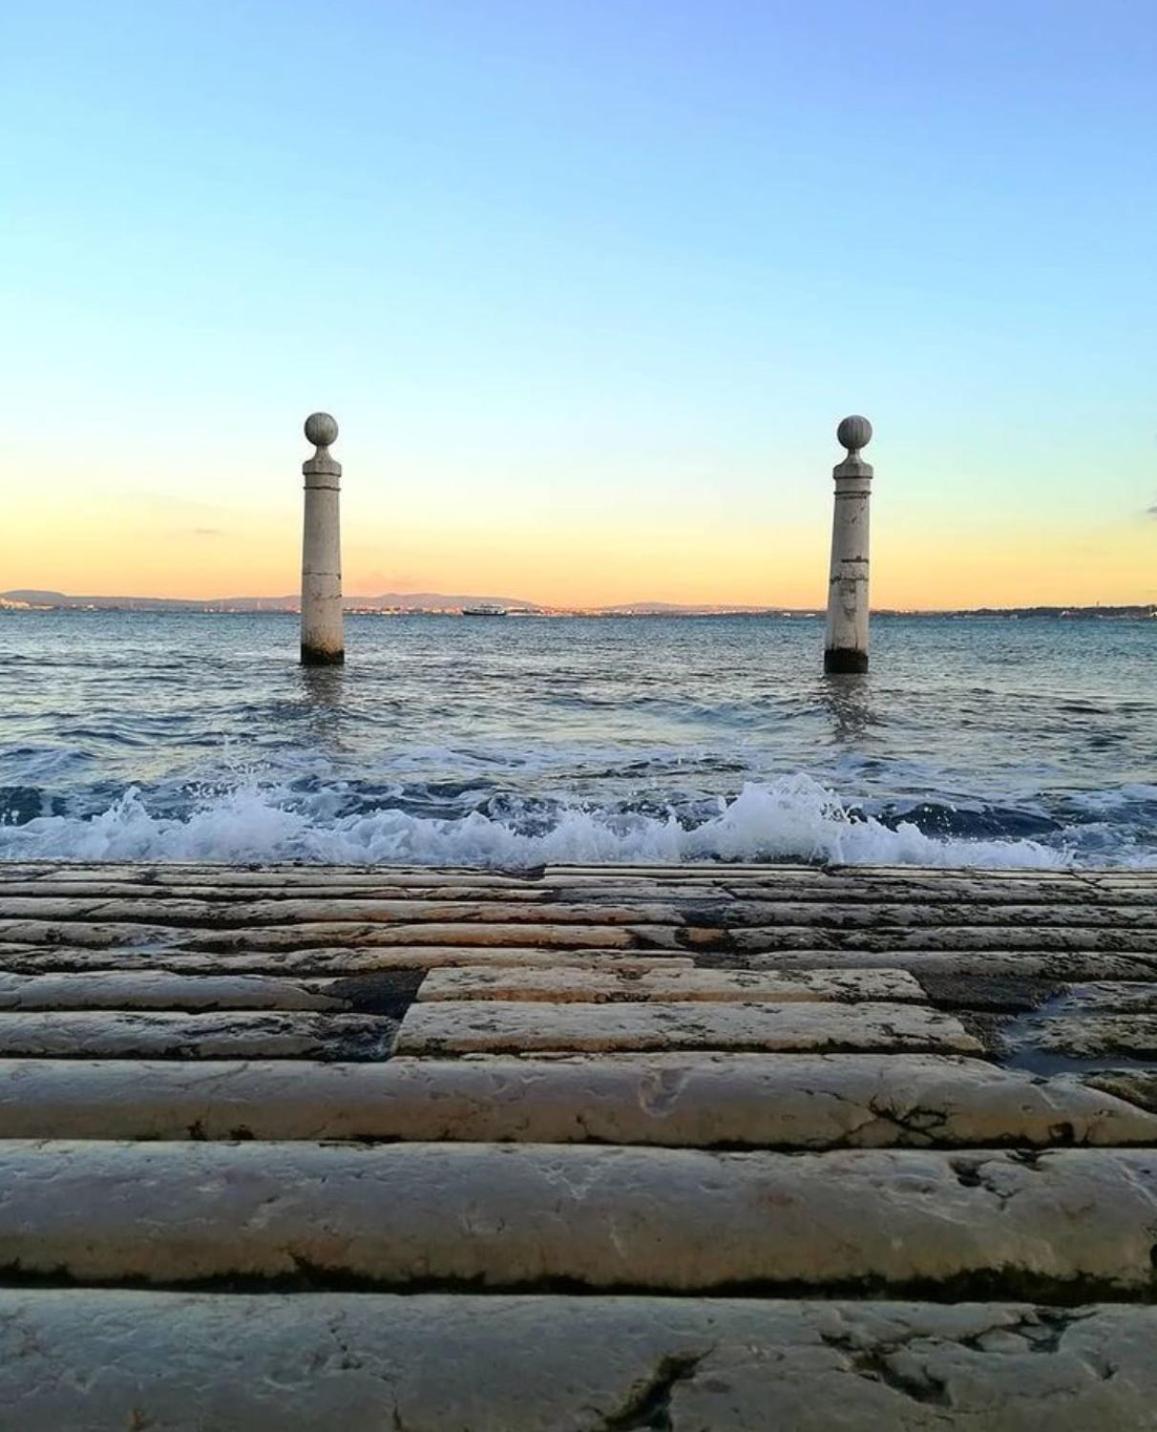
(516, 741)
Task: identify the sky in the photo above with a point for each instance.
(588, 287)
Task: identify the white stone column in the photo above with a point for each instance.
(322, 641)
(846, 643)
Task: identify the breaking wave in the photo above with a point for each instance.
(790, 818)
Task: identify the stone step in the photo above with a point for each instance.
(790, 1101)
(104, 934)
(323, 960)
(1087, 1036)
(335, 910)
(1135, 1085)
(163, 990)
(212, 872)
(882, 869)
(1059, 965)
(877, 915)
(1113, 997)
(546, 934)
(207, 872)
(849, 882)
(614, 906)
(713, 868)
(1064, 966)
(123, 1359)
(502, 1027)
(1122, 875)
(666, 984)
(1054, 1225)
(908, 883)
(386, 887)
(71, 1034)
(918, 890)
(979, 937)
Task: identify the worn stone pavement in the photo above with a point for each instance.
(597, 1148)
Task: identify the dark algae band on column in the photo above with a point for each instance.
(841, 661)
(321, 656)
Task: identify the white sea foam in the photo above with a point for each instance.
(793, 817)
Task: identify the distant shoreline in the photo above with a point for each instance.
(437, 605)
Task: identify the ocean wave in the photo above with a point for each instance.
(790, 818)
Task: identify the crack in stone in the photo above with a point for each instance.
(925, 1123)
(876, 1363)
(648, 1409)
(1044, 1328)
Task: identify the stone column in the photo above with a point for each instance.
(322, 642)
(846, 644)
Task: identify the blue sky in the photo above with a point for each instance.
(587, 287)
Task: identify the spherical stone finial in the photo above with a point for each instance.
(321, 429)
(854, 433)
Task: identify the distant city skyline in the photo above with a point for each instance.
(587, 288)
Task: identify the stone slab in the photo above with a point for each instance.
(84, 935)
(1137, 1086)
(1114, 997)
(875, 890)
(920, 897)
(499, 1027)
(1128, 874)
(597, 986)
(795, 1101)
(322, 960)
(712, 869)
(110, 1360)
(332, 909)
(840, 868)
(742, 910)
(1063, 1223)
(980, 937)
(163, 990)
(917, 885)
(614, 906)
(1089, 1036)
(72, 1034)
(104, 934)
(219, 875)
(226, 893)
(444, 934)
(1065, 965)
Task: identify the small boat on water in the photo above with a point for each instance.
(484, 610)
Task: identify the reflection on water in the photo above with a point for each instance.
(322, 686)
(848, 701)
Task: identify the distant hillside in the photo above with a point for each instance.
(25, 598)
(31, 597)
(387, 601)
(384, 602)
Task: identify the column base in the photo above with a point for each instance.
(319, 656)
(842, 660)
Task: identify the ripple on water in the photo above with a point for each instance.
(978, 742)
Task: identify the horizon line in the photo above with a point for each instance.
(32, 599)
